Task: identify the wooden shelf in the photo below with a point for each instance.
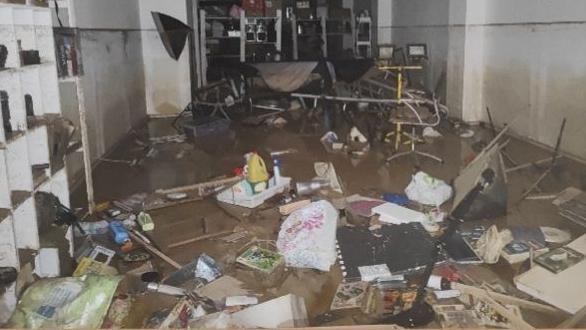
(28, 145)
(221, 18)
(223, 37)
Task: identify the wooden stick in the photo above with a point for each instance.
(199, 238)
(158, 253)
(506, 299)
(209, 184)
(172, 203)
(291, 207)
(516, 321)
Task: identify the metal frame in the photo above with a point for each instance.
(408, 102)
(553, 159)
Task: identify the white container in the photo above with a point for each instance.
(237, 194)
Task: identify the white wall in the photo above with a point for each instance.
(113, 80)
(522, 58)
(417, 21)
(534, 68)
(167, 82)
(105, 14)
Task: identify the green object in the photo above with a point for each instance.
(69, 302)
(261, 259)
(145, 221)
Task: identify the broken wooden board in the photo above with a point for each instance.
(284, 312)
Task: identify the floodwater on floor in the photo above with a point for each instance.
(180, 164)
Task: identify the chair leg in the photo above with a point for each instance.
(425, 154)
(399, 155)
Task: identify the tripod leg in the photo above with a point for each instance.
(425, 154)
(397, 136)
(398, 155)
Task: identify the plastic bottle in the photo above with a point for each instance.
(119, 233)
(102, 227)
(256, 173)
(145, 221)
(277, 170)
(257, 170)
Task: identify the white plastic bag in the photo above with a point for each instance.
(491, 243)
(428, 190)
(307, 238)
(67, 302)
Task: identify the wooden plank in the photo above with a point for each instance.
(153, 250)
(516, 321)
(505, 299)
(202, 185)
(199, 238)
(291, 207)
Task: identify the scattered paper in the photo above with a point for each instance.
(396, 214)
(372, 273)
(447, 294)
(349, 295)
(241, 301)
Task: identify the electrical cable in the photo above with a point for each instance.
(174, 123)
(57, 13)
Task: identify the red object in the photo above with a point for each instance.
(449, 272)
(238, 171)
(254, 7)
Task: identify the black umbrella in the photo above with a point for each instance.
(173, 33)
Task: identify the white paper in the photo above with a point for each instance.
(396, 214)
(372, 273)
(447, 294)
(284, 312)
(241, 301)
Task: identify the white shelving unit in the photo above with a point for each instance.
(240, 34)
(25, 163)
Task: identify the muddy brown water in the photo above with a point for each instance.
(192, 162)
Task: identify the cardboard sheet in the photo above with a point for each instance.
(565, 290)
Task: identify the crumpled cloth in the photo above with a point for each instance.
(285, 76)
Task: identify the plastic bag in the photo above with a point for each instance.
(207, 268)
(307, 238)
(428, 190)
(70, 302)
(491, 243)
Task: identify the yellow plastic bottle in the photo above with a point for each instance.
(257, 173)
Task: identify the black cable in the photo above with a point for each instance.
(174, 123)
(57, 13)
